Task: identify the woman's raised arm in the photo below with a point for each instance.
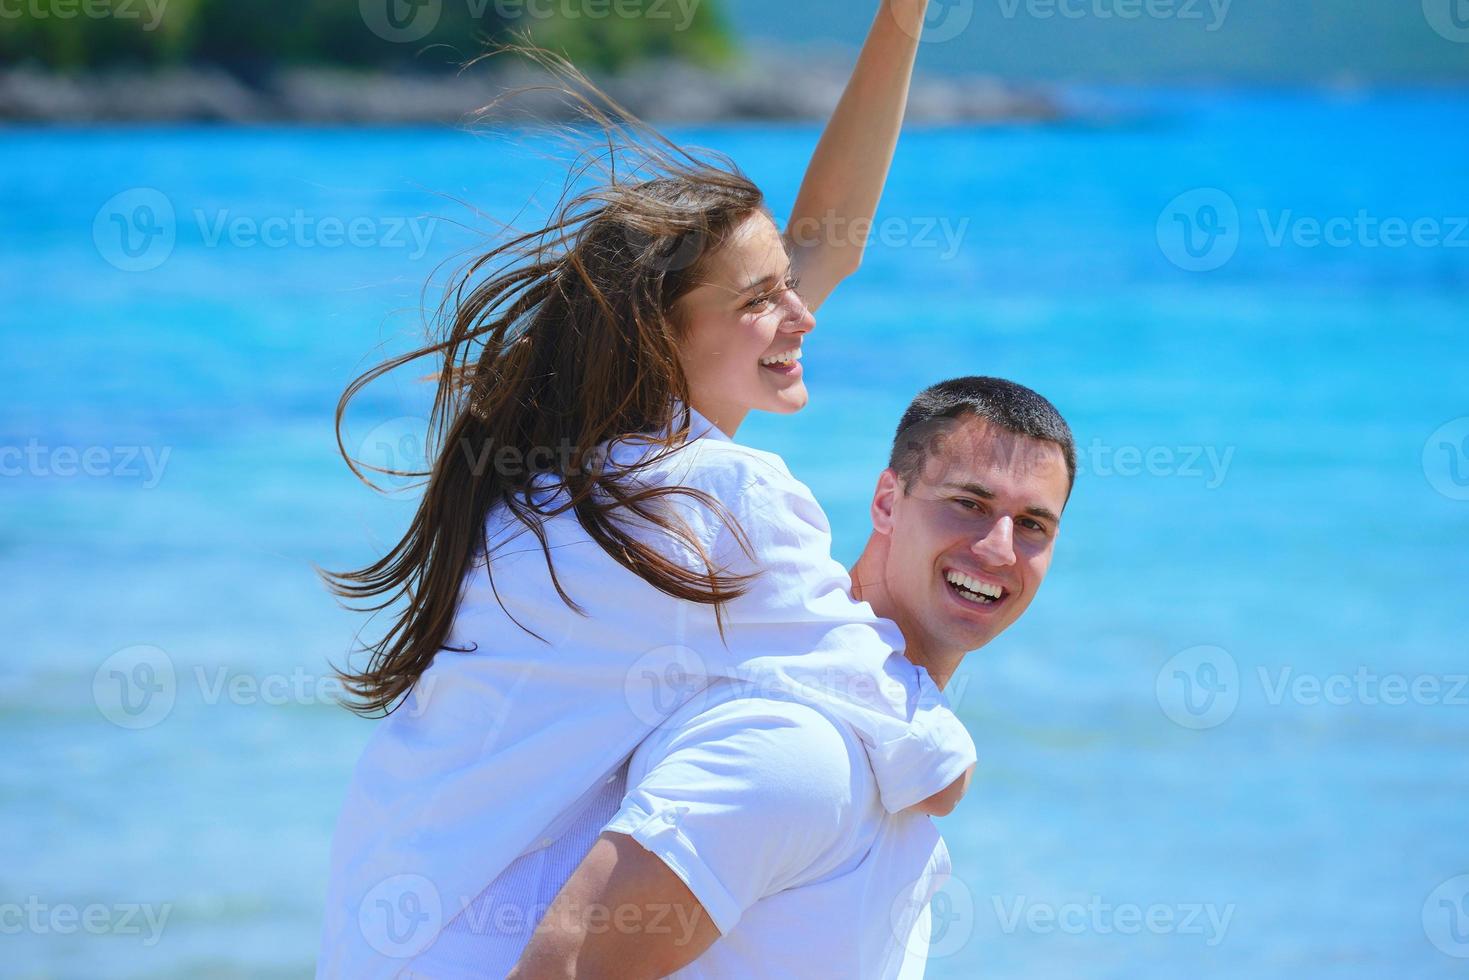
(832, 217)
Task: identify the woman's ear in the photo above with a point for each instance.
(883, 499)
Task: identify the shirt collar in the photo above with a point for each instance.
(699, 426)
(631, 450)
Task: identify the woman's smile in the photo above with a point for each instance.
(787, 363)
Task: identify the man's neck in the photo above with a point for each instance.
(869, 585)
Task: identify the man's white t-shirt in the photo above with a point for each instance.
(767, 809)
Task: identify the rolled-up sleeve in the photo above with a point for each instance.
(746, 799)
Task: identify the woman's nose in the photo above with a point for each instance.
(801, 320)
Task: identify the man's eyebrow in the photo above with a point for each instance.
(978, 489)
(985, 493)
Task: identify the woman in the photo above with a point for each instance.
(592, 546)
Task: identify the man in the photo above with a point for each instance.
(751, 841)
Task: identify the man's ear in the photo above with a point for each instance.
(883, 500)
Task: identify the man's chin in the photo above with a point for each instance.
(950, 639)
(963, 633)
(970, 641)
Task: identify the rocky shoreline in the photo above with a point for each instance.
(667, 93)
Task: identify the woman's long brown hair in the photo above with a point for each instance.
(561, 338)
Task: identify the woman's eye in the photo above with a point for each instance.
(792, 283)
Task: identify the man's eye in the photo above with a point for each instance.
(1033, 525)
(966, 503)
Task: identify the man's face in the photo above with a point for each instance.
(979, 520)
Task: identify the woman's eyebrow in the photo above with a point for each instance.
(767, 280)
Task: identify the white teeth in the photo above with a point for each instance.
(789, 357)
(974, 585)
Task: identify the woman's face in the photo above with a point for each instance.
(742, 329)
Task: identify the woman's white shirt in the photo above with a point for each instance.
(497, 749)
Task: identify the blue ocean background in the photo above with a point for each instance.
(1275, 466)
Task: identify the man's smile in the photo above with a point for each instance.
(975, 590)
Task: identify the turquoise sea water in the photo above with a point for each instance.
(1231, 737)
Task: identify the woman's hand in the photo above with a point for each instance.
(832, 218)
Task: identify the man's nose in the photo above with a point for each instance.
(997, 547)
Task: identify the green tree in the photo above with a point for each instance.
(254, 37)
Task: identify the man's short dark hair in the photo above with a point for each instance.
(1001, 403)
